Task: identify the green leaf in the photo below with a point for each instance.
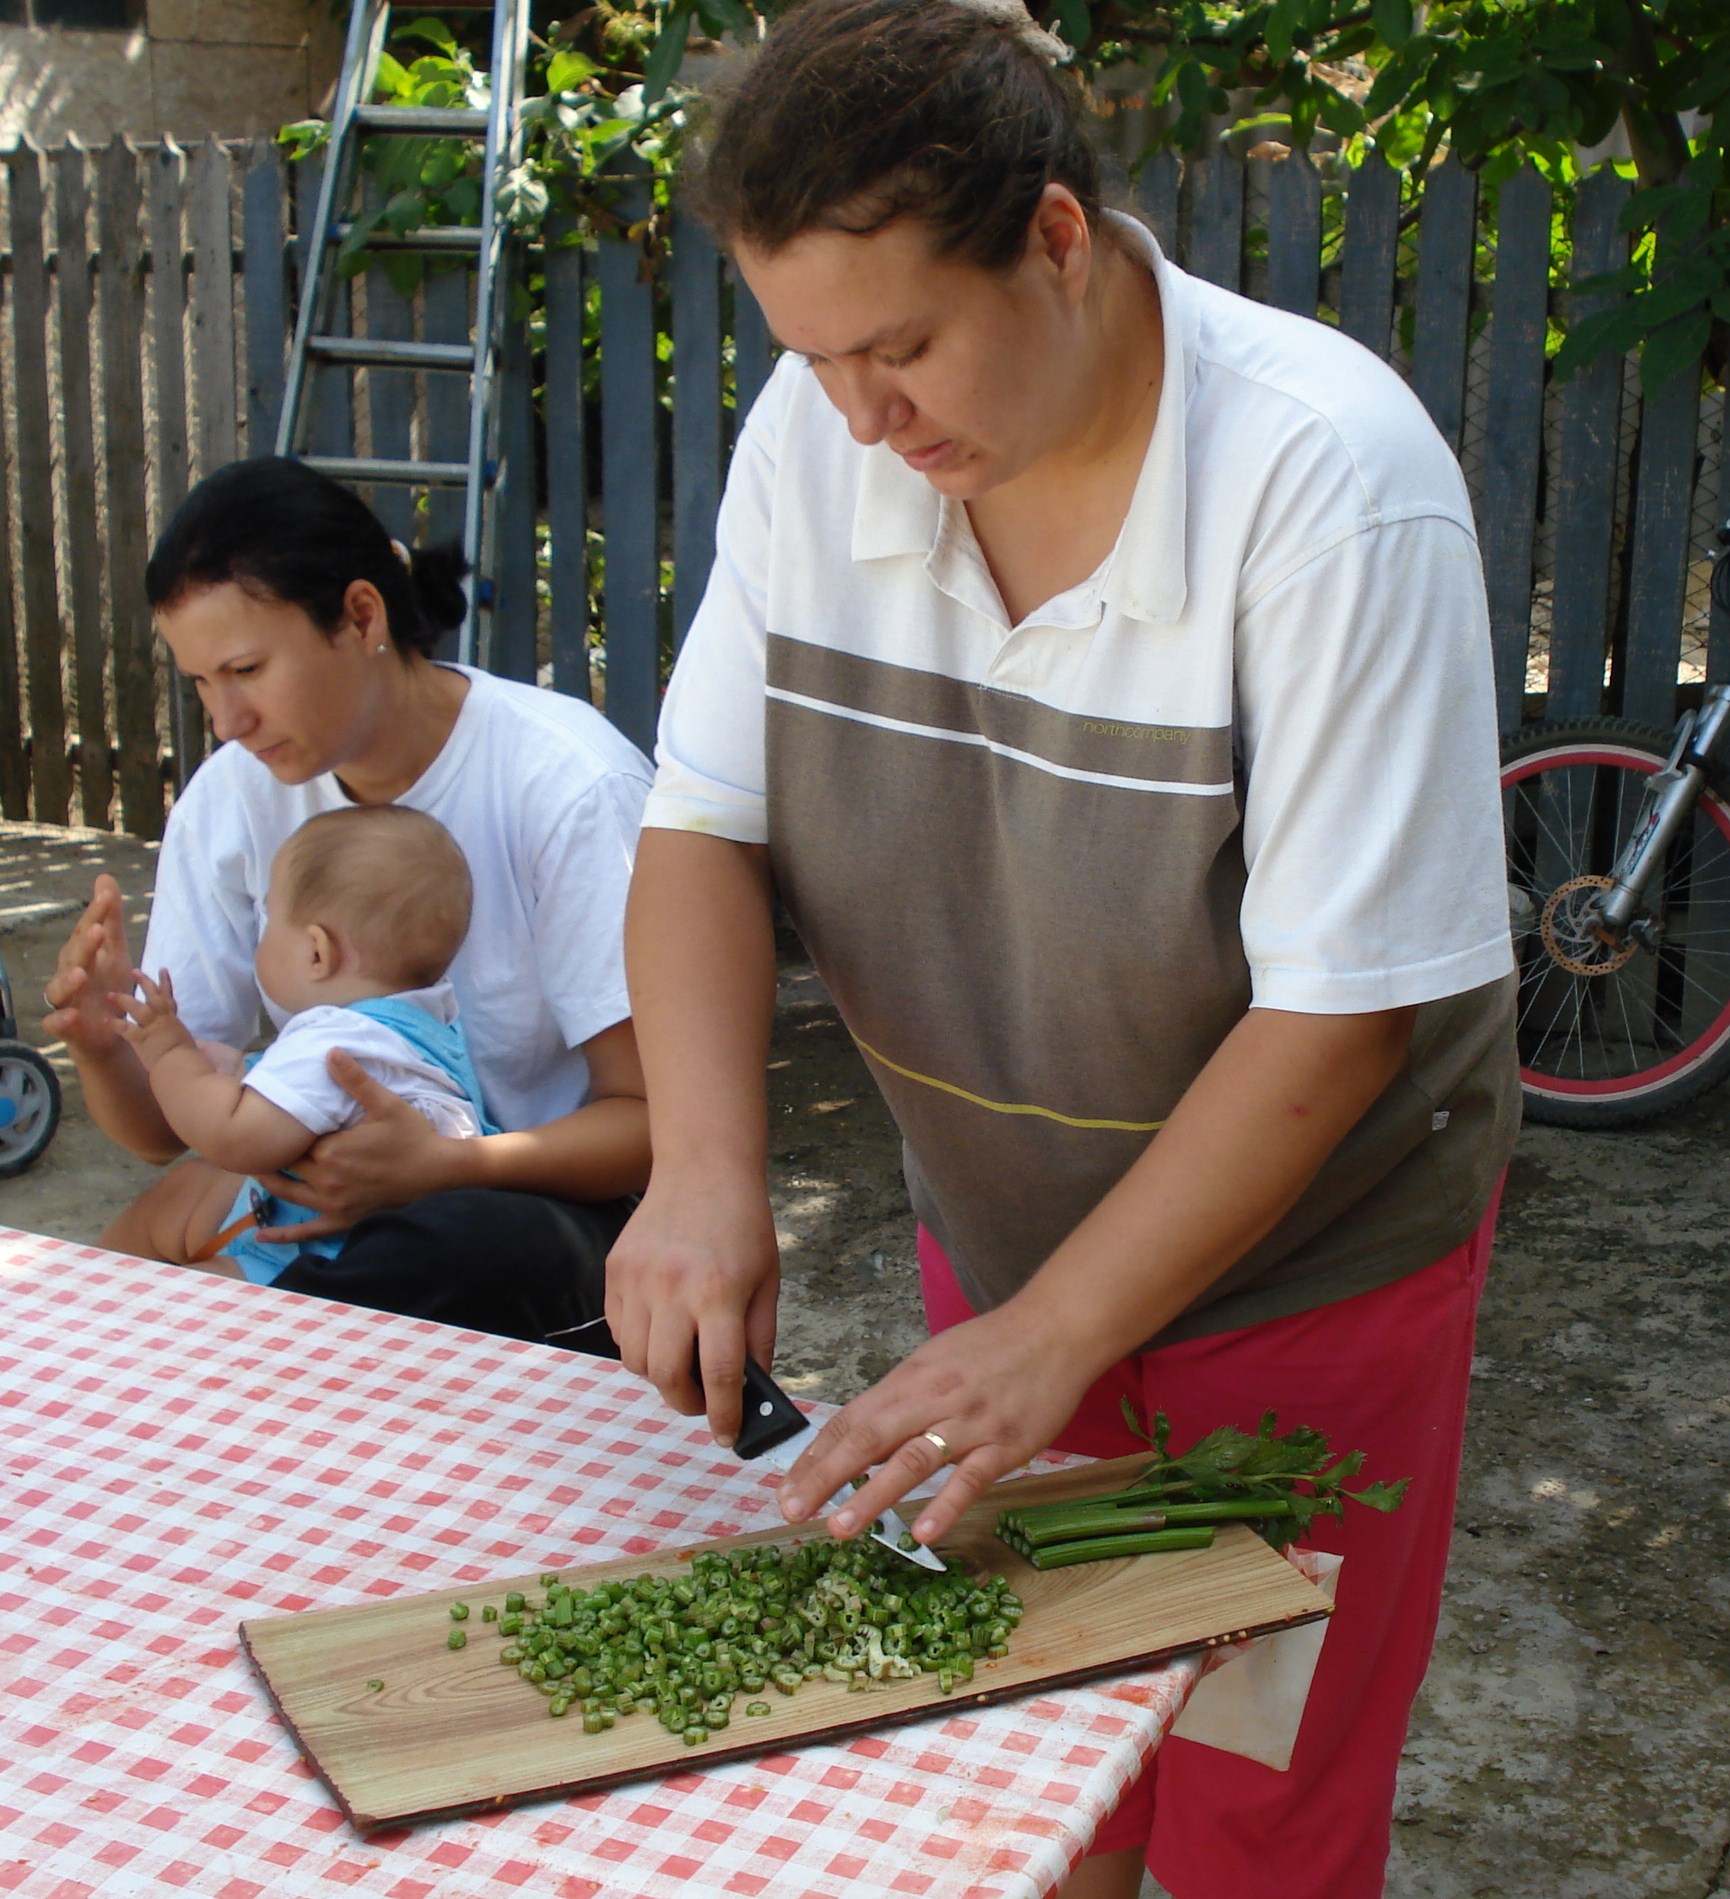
(522, 200)
(568, 68)
(1383, 1497)
(434, 32)
(1674, 350)
(304, 137)
(1393, 21)
(1192, 85)
(1614, 330)
(668, 51)
(392, 76)
(1284, 18)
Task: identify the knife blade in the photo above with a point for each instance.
(774, 1431)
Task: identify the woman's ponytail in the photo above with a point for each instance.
(437, 575)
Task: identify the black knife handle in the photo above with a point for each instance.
(768, 1416)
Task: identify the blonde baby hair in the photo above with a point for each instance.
(389, 880)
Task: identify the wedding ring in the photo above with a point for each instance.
(941, 1442)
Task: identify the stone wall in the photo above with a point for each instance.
(196, 68)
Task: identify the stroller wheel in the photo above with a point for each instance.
(29, 1106)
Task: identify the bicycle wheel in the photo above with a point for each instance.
(29, 1106)
(1612, 1035)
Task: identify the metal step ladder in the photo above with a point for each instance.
(318, 347)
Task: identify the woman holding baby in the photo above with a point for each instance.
(307, 633)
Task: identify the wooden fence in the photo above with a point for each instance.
(149, 292)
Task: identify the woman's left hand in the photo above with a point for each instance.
(995, 1390)
(392, 1155)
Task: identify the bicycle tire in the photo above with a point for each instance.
(29, 1106)
(1645, 1031)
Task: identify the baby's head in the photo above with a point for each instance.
(363, 902)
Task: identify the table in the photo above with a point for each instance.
(179, 1451)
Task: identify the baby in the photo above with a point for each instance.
(366, 909)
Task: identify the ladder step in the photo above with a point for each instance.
(368, 350)
(417, 121)
(462, 238)
(415, 474)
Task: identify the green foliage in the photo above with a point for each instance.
(1496, 83)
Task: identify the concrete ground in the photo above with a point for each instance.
(1571, 1742)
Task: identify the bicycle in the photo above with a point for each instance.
(1618, 848)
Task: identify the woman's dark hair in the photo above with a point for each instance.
(281, 529)
(857, 112)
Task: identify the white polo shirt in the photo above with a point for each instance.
(1044, 868)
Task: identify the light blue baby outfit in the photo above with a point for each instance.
(441, 1046)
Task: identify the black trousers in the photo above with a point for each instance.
(523, 1265)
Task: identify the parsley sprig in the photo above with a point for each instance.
(1277, 1482)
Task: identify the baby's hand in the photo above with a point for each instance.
(153, 1025)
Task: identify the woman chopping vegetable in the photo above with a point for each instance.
(307, 632)
(1096, 665)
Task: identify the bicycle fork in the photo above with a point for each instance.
(1671, 795)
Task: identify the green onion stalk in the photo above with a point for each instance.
(1277, 1484)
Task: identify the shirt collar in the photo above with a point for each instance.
(897, 511)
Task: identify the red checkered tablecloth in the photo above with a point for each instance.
(179, 1451)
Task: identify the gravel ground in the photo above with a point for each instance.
(1571, 1741)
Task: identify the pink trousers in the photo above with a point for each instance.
(1385, 1373)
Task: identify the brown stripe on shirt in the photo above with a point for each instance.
(1069, 741)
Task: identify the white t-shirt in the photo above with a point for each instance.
(545, 798)
(293, 1074)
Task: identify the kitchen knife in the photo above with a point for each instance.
(774, 1431)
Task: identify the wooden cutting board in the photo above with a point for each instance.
(452, 1730)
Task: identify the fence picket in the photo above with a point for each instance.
(173, 453)
(14, 765)
(390, 393)
(696, 414)
(445, 318)
(567, 461)
(120, 303)
(213, 355)
(1514, 428)
(1658, 555)
(1369, 254)
(50, 768)
(263, 259)
(329, 427)
(1214, 250)
(1294, 234)
(1585, 484)
(1447, 244)
(77, 594)
(753, 353)
(513, 559)
(1156, 197)
(630, 481)
(83, 546)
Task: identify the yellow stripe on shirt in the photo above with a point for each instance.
(1011, 1107)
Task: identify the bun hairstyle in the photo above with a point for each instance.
(857, 112)
(284, 531)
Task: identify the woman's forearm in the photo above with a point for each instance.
(1250, 1134)
(597, 1153)
(118, 1095)
(700, 949)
